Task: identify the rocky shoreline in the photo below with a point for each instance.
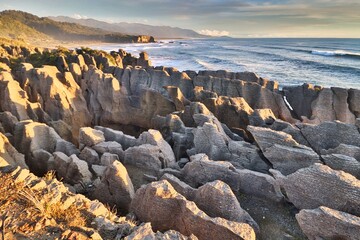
(188, 155)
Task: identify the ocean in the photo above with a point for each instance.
(324, 62)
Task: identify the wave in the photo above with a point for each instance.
(336, 54)
(206, 65)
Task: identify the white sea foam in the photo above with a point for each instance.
(335, 53)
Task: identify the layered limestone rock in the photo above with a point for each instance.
(16, 101)
(319, 185)
(285, 154)
(326, 223)
(330, 135)
(200, 170)
(115, 187)
(166, 209)
(31, 137)
(9, 155)
(215, 198)
(316, 104)
(59, 95)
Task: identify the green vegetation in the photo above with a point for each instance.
(96, 53)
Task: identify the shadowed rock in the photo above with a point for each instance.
(115, 187)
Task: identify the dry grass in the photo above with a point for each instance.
(24, 212)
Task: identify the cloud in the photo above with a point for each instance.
(214, 33)
(78, 16)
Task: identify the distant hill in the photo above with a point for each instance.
(18, 24)
(134, 28)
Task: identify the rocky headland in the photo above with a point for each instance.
(173, 155)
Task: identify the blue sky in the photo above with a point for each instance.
(259, 18)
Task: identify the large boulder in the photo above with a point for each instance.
(326, 223)
(143, 160)
(115, 187)
(289, 159)
(344, 163)
(201, 170)
(344, 149)
(330, 135)
(166, 209)
(319, 185)
(285, 154)
(266, 138)
(71, 169)
(215, 198)
(155, 138)
(209, 140)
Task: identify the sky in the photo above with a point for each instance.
(244, 18)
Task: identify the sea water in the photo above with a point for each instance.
(324, 62)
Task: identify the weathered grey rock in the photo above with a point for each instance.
(144, 231)
(215, 198)
(266, 138)
(89, 155)
(341, 105)
(288, 128)
(76, 72)
(115, 187)
(98, 170)
(80, 169)
(326, 223)
(344, 149)
(110, 147)
(289, 159)
(202, 170)
(90, 137)
(66, 147)
(111, 135)
(322, 107)
(145, 156)
(319, 185)
(343, 162)
(246, 155)
(181, 187)
(330, 135)
(209, 140)
(108, 158)
(301, 97)
(63, 129)
(166, 209)
(155, 138)
(71, 169)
